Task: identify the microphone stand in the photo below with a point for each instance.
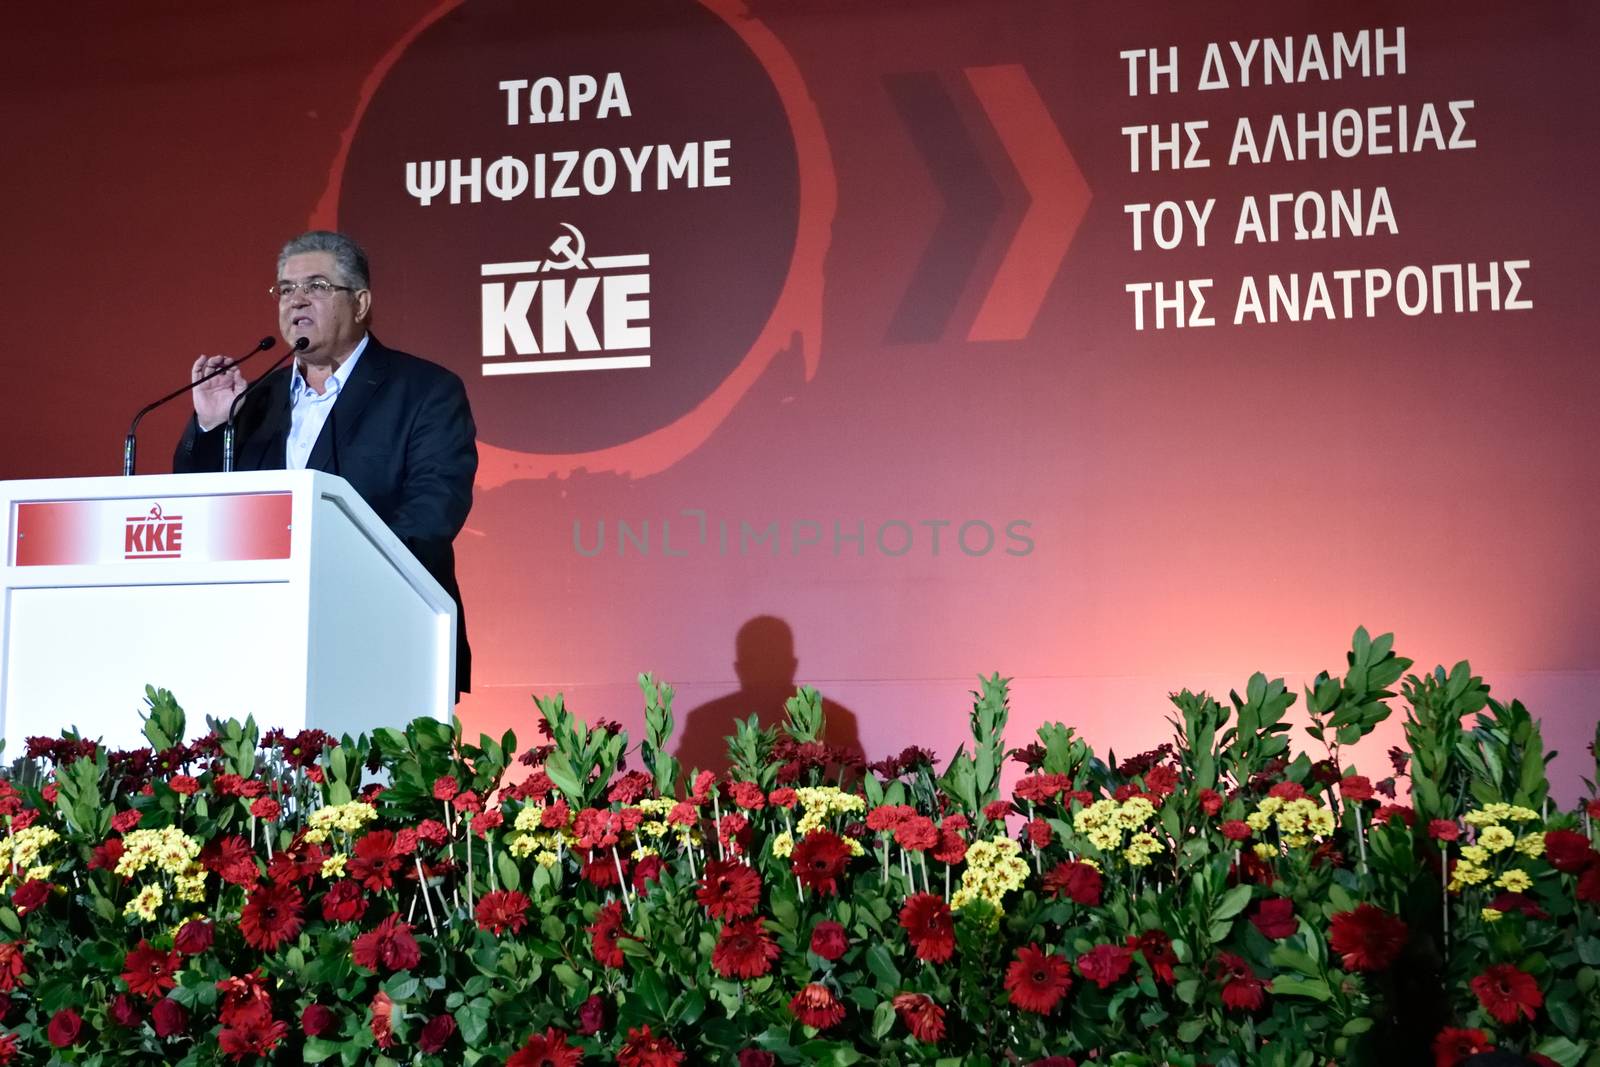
(300, 345)
(130, 443)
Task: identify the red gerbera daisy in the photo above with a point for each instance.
(743, 950)
(271, 916)
(930, 926)
(388, 946)
(382, 1021)
(1156, 948)
(13, 964)
(1242, 988)
(606, 931)
(819, 859)
(817, 1007)
(252, 1033)
(729, 890)
(1104, 965)
(375, 860)
(922, 1016)
(642, 1049)
(232, 860)
(1037, 980)
(549, 1049)
(149, 971)
(1507, 993)
(502, 910)
(1078, 882)
(1367, 938)
(1452, 1047)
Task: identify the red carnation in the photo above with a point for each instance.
(387, 946)
(502, 910)
(1039, 833)
(149, 971)
(1075, 880)
(549, 1049)
(819, 859)
(783, 797)
(316, 1020)
(271, 916)
(445, 788)
(436, 1034)
(1236, 830)
(344, 903)
(1507, 993)
(1390, 812)
(1568, 852)
(1356, 788)
(1210, 801)
(1162, 780)
(952, 847)
(1041, 788)
(749, 796)
(744, 950)
(829, 940)
(1274, 917)
(1367, 938)
(266, 809)
(1452, 1047)
(817, 1007)
(486, 821)
(123, 821)
(1443, 830)
(647, 870)
(606, 932)
(107, 854)
(1105, 965)
(931, 927)
(183, 784)
(1037, 980)
(729, 890)
(888, 816)
(1287, 791)
(996, 811)
(1242, 988)
(922, 1016)
(1156, 948)
(31, 895)
(916, 833)
(644, 1050)
(193, 937)
(169, 1018)
(65, 1026)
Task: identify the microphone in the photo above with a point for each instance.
(300, 345)
(130, 444)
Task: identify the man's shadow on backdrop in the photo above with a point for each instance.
(765, 664)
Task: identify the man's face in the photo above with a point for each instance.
(333, 323)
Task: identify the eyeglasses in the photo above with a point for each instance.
(316, 289)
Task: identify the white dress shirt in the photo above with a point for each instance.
(308, 409)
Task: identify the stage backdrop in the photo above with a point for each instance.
(1114, 347)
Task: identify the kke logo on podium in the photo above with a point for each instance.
(589, 312)
(155, 535)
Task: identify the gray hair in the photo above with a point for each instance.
(348, 258)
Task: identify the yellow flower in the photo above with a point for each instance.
(1270, 805)
(1134, 813)
(1475, 854)
(1488, 815)
(40, 873)
(1518, 813)
(1497, 838)
(546, 859)
(854, 846)
(1258, 820)
(191, 886)
(1297, 840)
(528, 818)
(1466, 874)
(1106, 838)
(26, 844)
(1491, 915)
(1532, 845)
(1517, 881)
(333, 866)
(1265, 851)
(522, 846)
(782, 844)
(642, 851)
(1322, 822)
(145, 903)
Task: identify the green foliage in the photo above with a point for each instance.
(658, 726)
(1438, 702)
(973, 782)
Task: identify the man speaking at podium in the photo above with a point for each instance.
(396, 427)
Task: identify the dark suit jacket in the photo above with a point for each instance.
(400, 432)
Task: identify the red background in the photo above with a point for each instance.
(1203, 503)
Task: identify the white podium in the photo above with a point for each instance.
(278, 594)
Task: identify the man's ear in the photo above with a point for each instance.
(363, 306)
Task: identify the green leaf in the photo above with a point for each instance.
(882, 966)
(882, 1019)
(1190, 1029)
(1291, 986)
(1233, 902)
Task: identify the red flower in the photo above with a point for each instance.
(1162, 780)
(1037, 980)
(149, 971)
(1156, 948)
(819, 859)
(1519, 902)
(916, 833)
(107, 855)
(1055, 1061)
(1390, 812)
(8, 1047)
(549, 1049)
(591, 1015)
(1236, 830)
(743, 950)
(382, 1021)
(1075, 880)
(1242, 988)
(952, 847)
(816, 1006)
(1041, 788)
(754, 1057)
(243, 998)
(1443, 830)
(124, 1011)
(271, 916)
(266, 808)
(388, 946)
(703, 782)
(1039, 833)
(606, 931)
(1368, 938)
(600, 870)
(375, 860)
(996, 811)
(1568, 852)
(931, 927)
(1507, 993)
(647, 870)
(1452, 1047)
(489, 820)
(436, 1034)
(123, 821)
(729, 890)
(1274, 917)
(445, 788)
(1356, 788)
(169, 1018)
(1104, 965)
(502, 910)
(344, 903)
(31, 895)
(922, 1016)
(231, 860)
(829, 940)
(1589, 885)
(316, 1020)
(1287, 791)
(193, 937)
(467, 801)
(182, 783)
(13, 964)
(644, 1050)
(749, 796)
(783, 797)
(888, 816)
(1210, 801)
(65, 1026)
